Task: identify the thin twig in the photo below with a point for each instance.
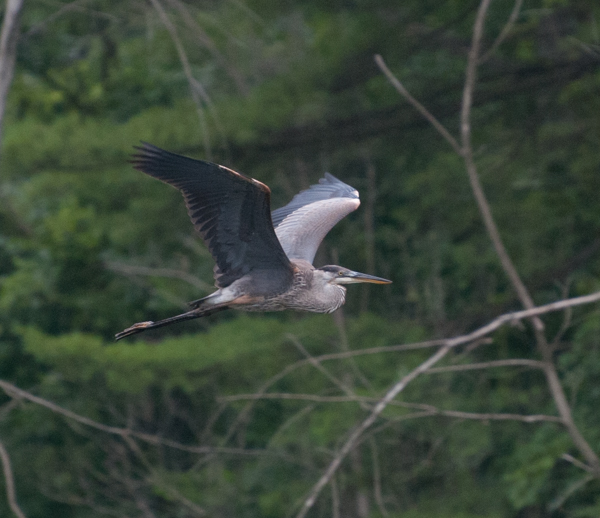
(577, 462)
(377, 478)
(335, 499)
(196, 89)
(364, 401)
(463, 339)
(317, 364)
(513, 362)
(14, 391)
(420, 108)
(172, 273)
(358, 431)
(552, 379)
(466, 151)
(467, 154)
(504, 32)
(9, 37)
(208, 43)
(573, 488)
(288, 422)
(72, 6)
(533, 418)
(340, 323)
(9, 481)
(566, 323)
(431, 410)
(156, 480)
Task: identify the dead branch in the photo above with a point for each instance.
(552, 378)
(463, 339)
(504, 32)
(16, 392)
(419, 107)
(465, 150)
(512, 362)
(210, 45)
(467, 154)
(172, 273)
(156, 479)
(11, 494)
(429, 409)
(577, 462)
(377, 478)
(358, 431)
(77, 5)
(197, 91)
(9, 36)
(317, 364)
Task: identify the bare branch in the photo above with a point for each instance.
(386, 400)
(577, 462)
(416, 104)
(9, 36)
(533, 418)
(288, 422)
(335, 499)
(564, 410)
(566, 323)
(14, 391)
(317, 399)
(463, 339)
(200, 34)
(339, 319)
(157, 480)
(552, 378)
(573, 488)
(480, 198)
(514, 362)
(317, 364)
(465, 150)
(377, 478)
(77, 5)
(358, 431)
(197, 91)
(131, 269)
(9, 480)
(504, 32)
(430, 410)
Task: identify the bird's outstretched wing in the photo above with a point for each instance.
(303, 223)
(229, 210)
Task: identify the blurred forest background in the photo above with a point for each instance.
(232, 415)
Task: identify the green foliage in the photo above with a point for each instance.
(292, 91)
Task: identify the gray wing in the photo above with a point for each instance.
(304, 222)
(229, 210)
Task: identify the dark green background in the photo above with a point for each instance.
(292, 92)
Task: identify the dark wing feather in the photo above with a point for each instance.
(229, 210)
(304, 222)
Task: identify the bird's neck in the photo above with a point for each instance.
(331, 296)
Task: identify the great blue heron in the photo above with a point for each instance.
(263, 260)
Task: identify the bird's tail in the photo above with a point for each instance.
(189, 315)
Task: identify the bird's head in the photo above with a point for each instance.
(341, 275)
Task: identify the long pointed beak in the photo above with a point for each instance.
(356, 277)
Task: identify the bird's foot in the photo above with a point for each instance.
(135, 328)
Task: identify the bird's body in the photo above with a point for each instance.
(263, 260)
(308, 291)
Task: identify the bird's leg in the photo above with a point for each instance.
(142, 326)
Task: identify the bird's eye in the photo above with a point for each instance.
(340, 273)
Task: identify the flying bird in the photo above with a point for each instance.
(263, 259)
